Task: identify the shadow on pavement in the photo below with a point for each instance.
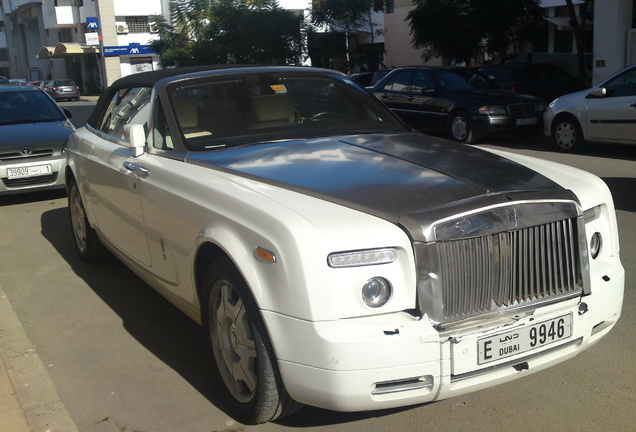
(26, 197)
(149, 318)
(159, 326)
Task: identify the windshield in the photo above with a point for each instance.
(28, 107)
(461, 79)
(265, 107)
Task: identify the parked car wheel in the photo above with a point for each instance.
(461, 128)
(567, 134)
(88, 246)
(246, 369)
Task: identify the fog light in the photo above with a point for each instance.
(376, 292)
(595, 244)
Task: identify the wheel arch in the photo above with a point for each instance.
(69, 176)
(217, 244)
(562, 115)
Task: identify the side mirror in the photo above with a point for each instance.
(68, 113)
(598, 92)
(135, 136)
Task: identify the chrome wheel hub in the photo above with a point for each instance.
(233, 341)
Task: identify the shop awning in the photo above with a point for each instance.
(66, 49)
(46, 52)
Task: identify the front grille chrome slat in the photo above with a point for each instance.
(522, 109)
(497, 271)
(19, 155)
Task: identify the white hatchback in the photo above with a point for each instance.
(605, 113)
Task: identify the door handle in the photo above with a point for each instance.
(140, 171)
(409, 98)
(384, 95)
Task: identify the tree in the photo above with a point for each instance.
(227, 32)
(346, 17)
(578, 29)
(462, 30)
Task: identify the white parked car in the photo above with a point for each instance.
(605, 113)
(333, 256)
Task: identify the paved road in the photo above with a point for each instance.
(123, 359)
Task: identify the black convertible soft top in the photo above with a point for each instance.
(149, 79)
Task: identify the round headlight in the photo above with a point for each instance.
(376, 292)
(595, 244)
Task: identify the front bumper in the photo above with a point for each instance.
(397, 360)
(485, 125)
(41, 181)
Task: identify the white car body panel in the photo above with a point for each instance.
(160, 214)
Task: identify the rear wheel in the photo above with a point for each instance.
(88, 246)
(567, 134)
(246, 371)
(461, 128)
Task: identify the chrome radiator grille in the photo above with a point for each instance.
(489, 273)
(521, 109)
(18, 154)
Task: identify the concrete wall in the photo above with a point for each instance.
(612, 22)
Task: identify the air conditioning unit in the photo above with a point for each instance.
(122, 28)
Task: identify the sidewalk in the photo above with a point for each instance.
(28, 399)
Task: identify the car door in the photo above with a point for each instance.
(396, 95)
(114, 184)
(613, 116)
(424, 101)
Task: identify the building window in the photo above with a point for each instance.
(390, 6)
(137, 24)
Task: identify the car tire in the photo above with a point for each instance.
(567, 134)
(245, 369)
(461, 128)
(87, 244)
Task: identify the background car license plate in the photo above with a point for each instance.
(29, 171)
(524, 339)
(526, 121)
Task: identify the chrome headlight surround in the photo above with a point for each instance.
(376, 292)
(596, 241)
(596, 244)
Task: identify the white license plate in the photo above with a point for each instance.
(524, 339)
(31, 171)
(526, 121)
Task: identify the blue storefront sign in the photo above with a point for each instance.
(131, 49)
(92, 23)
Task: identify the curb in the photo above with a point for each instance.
(28, 381)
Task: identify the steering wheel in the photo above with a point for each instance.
(320, 115)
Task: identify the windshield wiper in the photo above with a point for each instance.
(26, 121)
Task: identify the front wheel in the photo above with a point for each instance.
(461, 128)
(88, 246)
(567, 134)
(246, 372)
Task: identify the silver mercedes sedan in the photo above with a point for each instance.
(33, 135)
